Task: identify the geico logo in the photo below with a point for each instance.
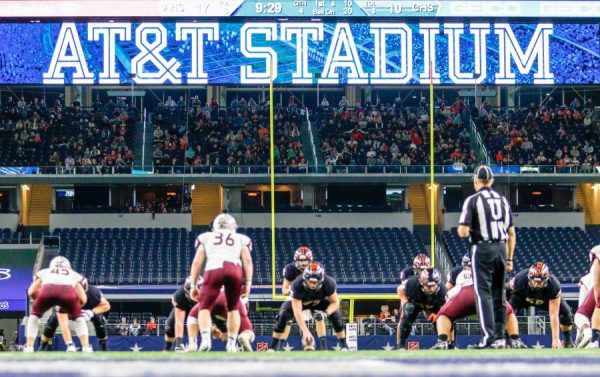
(574, 8)
(486, 8)
(5, 274)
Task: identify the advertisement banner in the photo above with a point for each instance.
(16, 272)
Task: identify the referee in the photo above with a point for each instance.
(486, 217)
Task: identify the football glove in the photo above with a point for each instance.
(319, 315)
(87, 314)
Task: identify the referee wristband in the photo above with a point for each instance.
(509, 260)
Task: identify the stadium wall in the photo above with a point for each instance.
(327, 220)
(533, 219)
(9, 220)
(127, 220)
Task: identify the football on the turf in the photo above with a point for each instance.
(308, 346)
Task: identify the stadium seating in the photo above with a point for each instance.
(8, 236)
(559, 136)
(564, 250)
(214, 137)
(384, 135)
(46, 136)
(163, 256)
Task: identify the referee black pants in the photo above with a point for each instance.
(489, 266)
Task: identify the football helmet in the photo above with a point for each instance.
(430, 280)
(421, 262)
(313, 273)
(302, 257)
(224, 221)
(466, 260)
(538, 275)
(60, 262)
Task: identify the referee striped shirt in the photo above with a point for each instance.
(488, 215)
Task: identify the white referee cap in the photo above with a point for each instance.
(484, 173)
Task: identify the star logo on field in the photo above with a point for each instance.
(537, 346)
(136, 348)
(287, 347)
(387, 347)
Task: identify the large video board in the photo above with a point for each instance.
(299, 52)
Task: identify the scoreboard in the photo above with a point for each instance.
(302, 42)
(300, 8)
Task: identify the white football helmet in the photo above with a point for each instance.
(60, 262)
(224, 221)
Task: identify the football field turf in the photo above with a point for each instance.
(529, 362)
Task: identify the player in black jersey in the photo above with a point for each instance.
(423, 293)
(420, 263)
(182, 304)
(317, 292)
(93, 311)
(537, 287)
(302, 257)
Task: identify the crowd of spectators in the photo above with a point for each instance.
(62, 139)
(161, 204)
(373, 133)
(565, 136)
(210, 135)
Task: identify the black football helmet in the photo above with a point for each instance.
(430, 280)
(314, 272)
(466, 260)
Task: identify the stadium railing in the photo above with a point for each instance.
(282, 169)
(528, 325)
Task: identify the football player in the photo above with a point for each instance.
(219, 330)
(302, 257)
(424, 292)
(460, 303)
(456, 271)
(595, 258)
(226, 254)
(182, 305)
(57, 285)
(316, 292)
(585, 310)
(537, 287)
(93, 311)
(420, 263)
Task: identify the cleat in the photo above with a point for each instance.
(87, 349)
(28, 349)
(440, 345)
(246, 346)
(231, 347)
(205, 346)
(71, 348)
(586, 338)
(179, 349)
(517, 344)
(191, 347)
